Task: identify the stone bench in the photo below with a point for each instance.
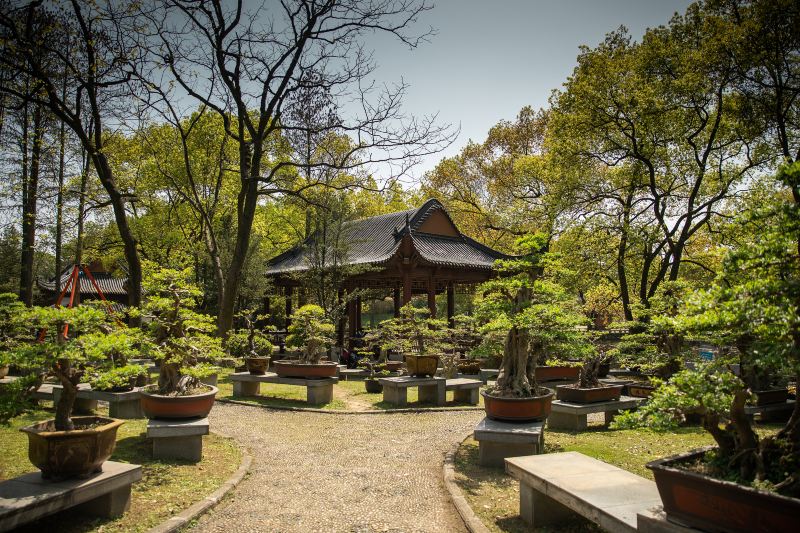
(431, 390)
(498, 440)
(318, 390)
(29, 497)
(555, 487)
(124, 405)
(83, 405)
(178, 438)
(572, 416)
(464, 390)
(487, 373)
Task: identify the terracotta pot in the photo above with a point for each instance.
(296, 369)
(554, 373)
(394, 366)
(640, 390)
(3, 371)
(257, 365)
(710, 504)
(76, 453)
(517, 409)
(194, 406)
(772, 396)
(571, 393)
(422, 365)
(373, 385)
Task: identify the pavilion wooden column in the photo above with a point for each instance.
(289, 293)
(406, 288)
(358, 313)
(340, 326)
(451, 302)
(266, 305)
(301, 297)
(351, 322)
(432, 298)
(396, 297)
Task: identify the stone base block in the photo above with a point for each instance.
(466, 396)
(319, 395)
(540, 510)
(178, 439)
(109, 505)
(568, 421)
(655, 521)
(493, 454)
(435, 394)
(499, 440)
(125, 410)
(395, 395)
(246, 388)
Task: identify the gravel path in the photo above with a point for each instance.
(357, 473)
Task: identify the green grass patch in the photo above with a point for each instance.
(166, 488)
(494, 496)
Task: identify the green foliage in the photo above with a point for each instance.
(413, 333)
(181, 336)
(375, 369)
(14, 329)
(249, 341)
(312, 332)
(118, 379)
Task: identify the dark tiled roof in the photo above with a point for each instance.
(375, 240)
(110, 285)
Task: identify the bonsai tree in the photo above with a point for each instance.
(756, 294)
(181, 336)
(311, 332)
(249, 341)
(413, 332)
(14, 331)
(590, 372)
(72, 344)
(539, 318)
(376, 369)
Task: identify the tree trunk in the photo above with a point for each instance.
(29, 212)
(69, 392)
(106, 176)
(514, 378)
(62, 141)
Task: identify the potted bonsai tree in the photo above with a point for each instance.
(750, 482)
(376, 370)
(589, 389)
(415, 336)
(71, 343)
(180, 337)
(313, 334)
(540, 321)
(250, 344)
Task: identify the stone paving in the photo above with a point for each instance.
(327, 472)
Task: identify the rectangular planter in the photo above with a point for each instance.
(769, 397)
(711, 504)
(568, 393)
(639, 390)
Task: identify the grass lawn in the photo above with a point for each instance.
(347, 396)
(166, 488)
(494, 496)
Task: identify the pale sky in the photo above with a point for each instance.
(492, 57)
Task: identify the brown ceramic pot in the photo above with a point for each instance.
(394, 366)
(194, 406)
(554, 373)
(257, 365)
(574, 394)
(422, 365)
(76, 453)
(296, 369)
(518, 409)
(772, 396)
(640, 390)
(3, 371)
(710, 504)
(373, 385)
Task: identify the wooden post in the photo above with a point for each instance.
(266, 305)
(396, 297)
(406, 288)
(351, 322)
(358, 313)
(432, 298)
(340, 325)
(451, 302)
(288, 292)
(301, 297)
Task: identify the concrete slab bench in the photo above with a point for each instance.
(464, 390)
(178, 439)
(124, 405)
(555, 487)
(318, 391)
(431, 390)
(775, 412)
(83, 405)
(655, 521)
(487, 373)
(498, 440)
(572, 416)
(29, 497)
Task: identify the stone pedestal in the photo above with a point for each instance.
(431, 390)
(125, 405)
(318, 391)
(178, 439)
(488, 373)
(29, 497)
(465, 390)
(572, 416)
(498, 440)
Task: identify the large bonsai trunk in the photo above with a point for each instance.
(69, 379)
(516, 377)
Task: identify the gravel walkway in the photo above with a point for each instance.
(357, 473)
